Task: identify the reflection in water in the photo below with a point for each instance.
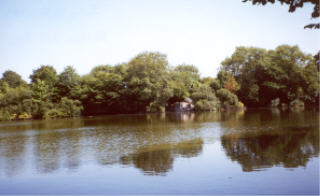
(47, 152)
(264, 140)
(71, 149)
(12, 150)
(289, 149)
(157, 160)
(66, 143)
(52, 149)
(255, 139)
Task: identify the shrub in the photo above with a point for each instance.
(227, 97)
(69, 107)
(4, 115)
(206, 105)
(66, 108)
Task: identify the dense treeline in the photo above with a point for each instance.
(148, 84)
(281, 76)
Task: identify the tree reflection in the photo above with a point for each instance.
(47, 154)
(54, 149)
(289, 141)
(71, 149)
(151, 143)
(158, 160)
(127, 136)
(54, 124)
(12, 153)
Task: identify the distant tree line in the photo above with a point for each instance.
(148, 84)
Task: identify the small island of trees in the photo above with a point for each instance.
(253, 77)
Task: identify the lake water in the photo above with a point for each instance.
(244, 152)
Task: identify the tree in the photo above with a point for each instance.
(4, 86)
(66, 108)
(15, 102)
(231, 84)
(68, 83)
(13, 79)
(227, 98)
(104, 90)
(45, 73)
(205, 99)
(317, 60)
(48, 75)
(310, 86)
(293, 4)
(267, 75)
(184, 79)
(40, 91)
(148, 82)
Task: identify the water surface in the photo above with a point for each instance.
(251, 152)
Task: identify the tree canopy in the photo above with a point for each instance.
(12, 79)
(255, 76)
(263, 75)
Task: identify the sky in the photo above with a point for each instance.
(87, 33)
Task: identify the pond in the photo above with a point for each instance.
(243, 152)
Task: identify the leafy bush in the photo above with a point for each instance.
(69, 107)
(207, 105)
(66, 108)
(227, 98)
(4, 115)
(203, 92)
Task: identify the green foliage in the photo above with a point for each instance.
(215, 84)
(285, 73)
(184, 80)
(66, 108)
(104, 90)
(70, 107)
(222, 78)
(13, 79)
(68, 83)
(48, 77)
(205, 99)
(207, 105)
(148, 83)
(14, 102)
(45, 73)
(227, 98)
(203, 92)
(40, 90)
(309, 92)
(4, 86)
(258, 77)
(40, 108)
(5, 115)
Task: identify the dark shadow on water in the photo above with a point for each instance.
(151, 142)
(158, 160)
(271, 139)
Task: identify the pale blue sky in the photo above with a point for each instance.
(87, 33)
